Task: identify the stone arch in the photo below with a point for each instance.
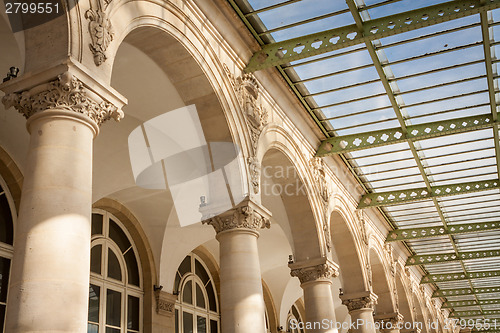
(133, 226)
(404, 295)
(12, 176)
(349, 247)
(419, 309)
(379, 280)
(284, 174)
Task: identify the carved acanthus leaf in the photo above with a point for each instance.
(254, 169)
(318, 172)
(67, 93)
(362, 225)
(358, 303)
(101, 34)
(244, 217)
(317, 272)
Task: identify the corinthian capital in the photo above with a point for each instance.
(66, 93)
(314, 270)
(358, 301)
(394, 319)
(247, 215)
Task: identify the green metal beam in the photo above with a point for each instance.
(353, 142)
(428, 259)
(458, 304)
(473, 313)
(435, 278)
(395, 197)
(464, 291)
(429, 232)
(306, 46)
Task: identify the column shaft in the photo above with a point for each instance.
(318, 302)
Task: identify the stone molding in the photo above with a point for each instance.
(395, 319)
(358, 301)
(247, 215)
(314, 270)
(165, 303)
(66, 93)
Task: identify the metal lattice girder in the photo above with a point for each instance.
(348, 143)
(395, 197)
(306, 46)
(464, 291)
(457, 304)
(427, 232)
(428, 259)
(473, 313)
(434, 278)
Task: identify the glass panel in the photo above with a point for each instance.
(176, 282)
(4, 278)
(185, 266)
(132, 268)
(201, 324)
(117, 234)
(200, 298)
(2, 316)
(114, 269)
(201, 272)
(94, 296)
(213, 326)
(211, 297)
(6, 234)
(133, 313)
(96, 224)
(176, 321)
(187, 322)
(112, 330)
(113, 308)
(95, 259)
(187, 295)
(92, 328)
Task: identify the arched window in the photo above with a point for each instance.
(6, 246)
(196, 309)
(115, 293)
(293, 318)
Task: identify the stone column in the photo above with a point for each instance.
(316, 280)
(361, 306)
(49, 282)
(389, 322)
(242, 302)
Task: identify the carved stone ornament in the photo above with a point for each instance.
(318, 172)
(316, 272)
(68, 93)
(357, 303)
(362, 225)
(165, 303)
(395, 319)
(369, 274)
(254, 168)
(244, 217)
(101, 34)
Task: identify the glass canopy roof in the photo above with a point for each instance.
(406, 92)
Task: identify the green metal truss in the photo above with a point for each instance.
(306, 46)
(353, 142)
(435, 278)
(428, 232)
(458, 304)
(473, 313)
(395, 197)
(428, 259)
(464, 291)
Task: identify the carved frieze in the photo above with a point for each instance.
(67, 93)
(243, 217)
(325, 270)
(165, 303)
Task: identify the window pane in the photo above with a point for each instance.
(200, 298)
(2, 316)
(92, 328)
(97, 224)
(6, 234)
(213, 326)
(112, 330)
(211, 297)
(114, 270)
(132, 268)
(133, 313)
(185, 266)
(95, 259)
(187, 295)
(201, 325)
(94, 296)
(187, 322)
(201, 272)
(117, 234)
(176, 321)
(113, 308)
(4, 278)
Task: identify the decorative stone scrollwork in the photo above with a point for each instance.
(243, 217)
(318, 171)
(165, 303)
(369, 274)
(254, 168)
(362, 225)
(101, 33)
(366, 301)
(325, 270)
(68, 93)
